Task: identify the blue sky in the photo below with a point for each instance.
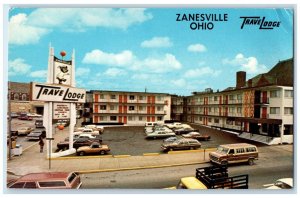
(130, 49)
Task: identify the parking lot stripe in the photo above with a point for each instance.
(121, 156)
(189, 151)
(81, 157)
(150, 154)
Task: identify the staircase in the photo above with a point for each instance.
(255, 137)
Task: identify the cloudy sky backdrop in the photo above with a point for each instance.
(133, 49)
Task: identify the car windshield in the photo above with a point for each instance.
(222, 149)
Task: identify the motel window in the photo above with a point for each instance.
(237, 123)
(24, 97)
(102, 118)
(239, 109)
(209, 119)
(274, 110)
(101, 96)
(16, 96)
(142, 97)
(131, 108)
(216, 98)
(288, 93)
(200, 119)
(112, 107)
(275, 94)
(239, 96)
(159, 118)
(229, 122)
(131, 118)
(231, 109)
(209, 109)
(102, 107)
(141, 118)
(216, 109)
(216, 120)
(159, 98)
(288, 110)
(159, 108)
(112, 97)
(131, 97)
(113, 118)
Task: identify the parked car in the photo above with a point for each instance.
(94, 148)
(170, 139)
(175, 125)
(34, 115)
(197, 136)
(24, 130)
(14, 115)
(157, 128)
(95, 128)
(48, 180)
(39, 123)
(88, 131)
(36, 135)
(184, 130)
(97, 138)
(160, 134)
(64, 145)
(24, 117)
(181, 144)
(234, 153)
(283, 183)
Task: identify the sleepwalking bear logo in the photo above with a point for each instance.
(62, 74)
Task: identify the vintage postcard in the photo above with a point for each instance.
(154, 98)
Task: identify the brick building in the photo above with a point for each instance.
(122, 107)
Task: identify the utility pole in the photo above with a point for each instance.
(9, 123)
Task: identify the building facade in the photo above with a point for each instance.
(131, 108)
(260, 109)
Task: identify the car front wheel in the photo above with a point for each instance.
(250, 162)
(81, 153)
(102, 152)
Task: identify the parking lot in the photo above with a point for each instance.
(130, 140)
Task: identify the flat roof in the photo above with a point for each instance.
(109, 91)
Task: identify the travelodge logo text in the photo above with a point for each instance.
(262, 22)
(57, 93)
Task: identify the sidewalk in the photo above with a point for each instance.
(33, 161)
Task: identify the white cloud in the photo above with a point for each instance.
(18, 67)
(82, 72)
(198, 72)
(39, 74)
(114, 72)
(141, 76)
(102, 58)
(157, 42)
(20, 33)
(196, 48)
(28, 29)
(126, 59)
(82, 18)
(248, 64)
(158, 65)
(179, 82)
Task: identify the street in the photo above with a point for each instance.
(274, 163)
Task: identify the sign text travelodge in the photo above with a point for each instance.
(57, 93)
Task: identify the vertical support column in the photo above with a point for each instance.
(72, 105)
(48, 106)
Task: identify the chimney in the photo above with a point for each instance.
(240, 79)
(250, 83)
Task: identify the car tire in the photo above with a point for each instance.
(251, 162)
(191, 148)
(102, 152)
(224, 163)
(81, 153)
(170, 149)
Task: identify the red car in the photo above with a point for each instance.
(24, 117)
(49, 180)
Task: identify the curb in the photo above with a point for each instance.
(138, 167)
(84, 157)
(150, 154)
